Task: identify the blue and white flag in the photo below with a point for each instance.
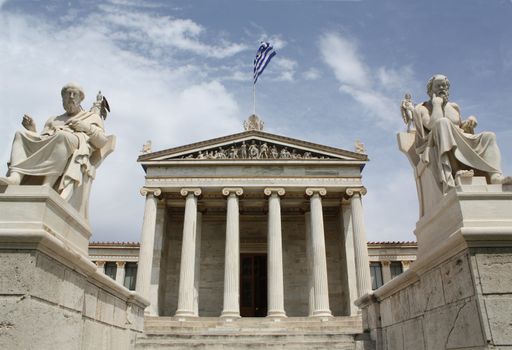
(263, 57)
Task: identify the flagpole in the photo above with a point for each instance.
(254, 98)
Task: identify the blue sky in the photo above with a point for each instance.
(340, 73)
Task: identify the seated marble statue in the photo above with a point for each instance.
(66, 153)
(449, 145)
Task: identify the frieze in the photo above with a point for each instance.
(212, 181)
(254, 150)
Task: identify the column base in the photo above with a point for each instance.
(322, 313)
(230, 314)
(276, 314)
(185, 313)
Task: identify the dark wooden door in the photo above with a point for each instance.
(253, 285)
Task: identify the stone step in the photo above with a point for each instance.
(214, 333)
(162, 323)
(236, 341)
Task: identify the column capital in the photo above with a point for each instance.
(385, 262)
(155, 191)
(120, 264)
(238, 191)
(100, 263)
(351, 191)
(278, 190)
(310, 191)
(186, 191)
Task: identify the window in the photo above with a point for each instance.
(376, 273)
(396, 268)
(111, 269)
(130, 275)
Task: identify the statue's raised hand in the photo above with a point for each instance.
(28, 123)
(436, 100)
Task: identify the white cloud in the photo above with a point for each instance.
(377, 90)
(149, 100)
(311, 74)
(342, 56)
(156, 34)
(284, 68)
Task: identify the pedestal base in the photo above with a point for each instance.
(51, 295)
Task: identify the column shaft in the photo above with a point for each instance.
(147, 242)
(197, 265)
(309, 257)
(321, 284)
(275, 291)
(188, 256)
(154, 282)
(120, 272)
(231, 306)
(360, 246)
(386, 271)
(348, 236)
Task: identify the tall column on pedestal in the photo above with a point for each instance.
(120, 272)
(147, 241)
(321, 285)
(275, 291)
(360, 245)
(188, 254)
(231, 307)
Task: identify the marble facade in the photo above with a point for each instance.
(302, 213)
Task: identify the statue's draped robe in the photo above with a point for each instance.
(60, 150)
(445, 139)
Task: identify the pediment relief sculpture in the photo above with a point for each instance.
(254, 149)
(67, 152)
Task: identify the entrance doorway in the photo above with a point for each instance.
(253, 285)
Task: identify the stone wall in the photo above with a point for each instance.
(465, 302)
(253, 239)
(51, 295)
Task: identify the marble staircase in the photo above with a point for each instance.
(344, 333)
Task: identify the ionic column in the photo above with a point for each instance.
(100, 266)
(386, 271)
(147, 241)
(275, 291)
(320, 282)
(231, 307)
(120, 272)
(188, 254)
(309, 259)
(405, 265)
(360, 246)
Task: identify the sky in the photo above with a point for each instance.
(178, 72)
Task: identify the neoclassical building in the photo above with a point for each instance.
(119, 260)
(251, 225)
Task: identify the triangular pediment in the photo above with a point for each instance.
(253, 145)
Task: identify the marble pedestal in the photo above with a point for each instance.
(51, 295)
(458, 294)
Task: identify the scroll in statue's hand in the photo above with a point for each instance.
(28, 123)
(80, 126)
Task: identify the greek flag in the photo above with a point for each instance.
(263, 57)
